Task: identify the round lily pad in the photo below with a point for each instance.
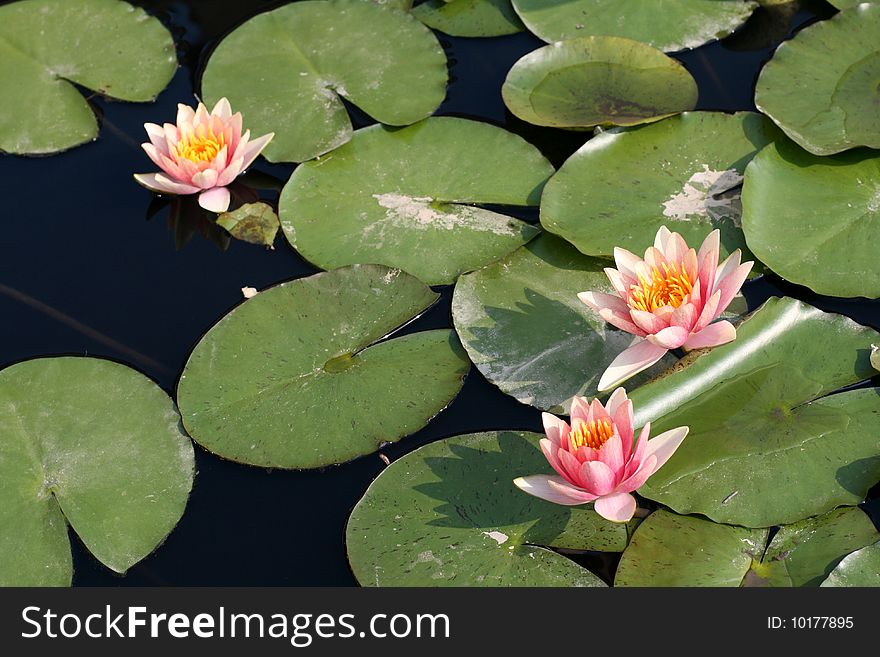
(300, 375)
(469, 18)
(822, 86)
(47, 46)
(684, 172)
(827, 239)
(448, 514)
(664, 24)
(287, 71)
(672, 550)
(769, 444)
(96, 444)
(525, 329)
(404, 198)
(861, 568)
(593, 81)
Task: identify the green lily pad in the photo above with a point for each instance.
(97, 444)
(470, 18)
(600, 81)
(766, 445)
(299, 376)
(875, 357)
(845, 4)
(666, 25)
(803, 554)
(861, 568)
(672, 550)
(527, 332)
(684, 173)
(287, 70)
(256, 223)
(107, 46)
(403, 198)
(822, 86)
(448, 514)
(827, 239)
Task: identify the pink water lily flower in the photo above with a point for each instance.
(201, 155)
(597, 458)
(670, 299)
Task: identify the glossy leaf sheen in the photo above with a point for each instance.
(766, 447)
(404, 198)
(827, 239)
(823, 86)
(469, 18)
(107, 46)
(527, 332)
(93, 442)
(861, 568)
(286, 70)
(448, 514)
(665, 24)
(593, 81)
(684, 172)
(299, 376)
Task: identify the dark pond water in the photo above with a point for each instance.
(90, 265)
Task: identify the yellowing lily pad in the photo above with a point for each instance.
(448, 514)
(527, 332)
(597, 81)
(94, 444)
(769, 444)
(813, 220)
(684, 172)
(303, 374)
(405, 198)
(821, 87)
(288, 70)
(108, 46)
(665, 24)
(256, 223)
(469, 18)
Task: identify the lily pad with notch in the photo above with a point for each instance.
(769, 444)
(48, 46)
(527, 332)
(597, 81)
(469, 18)
(670, 26)
(287, 70)
(684, 172)
(448, 514)
(305, 374)
(94, 444)
(821, 87)
(405, 198)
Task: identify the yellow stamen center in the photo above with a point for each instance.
(200, 148)
(666, 287)
(592, 434)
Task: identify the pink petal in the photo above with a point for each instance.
(664, 445)
(598, 412)
(711, 336)
(611, 455)
(580, 408)
(558, 492)
(627, 262)
(676, 248)
(215, 200)
(155, 155)
(619, 282)
(707, 260)
(230, 173)
(623, 422)
(201, 117)
(616, 398)
(586, 453)
(621, 321)
(726, 268)
(598, 301)
(596, 477)
(156, 133)
(638, 478)
(648, 322)
(689, 263)
(240, 147)
(630, 362)
(571, 467)
(685, 317)
(172, 134)
(550, 450)
(617, 507)
(555, 428)
(731, 284)
(661, 238)
(672, 337)
(163, 185)
(655, 258)
(710, 312)
(205, 179)
(253, 149)
(185, 115)
(222, 109)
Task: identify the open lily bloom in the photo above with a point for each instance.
(597, 459)
(671, 299)
(201, 155)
